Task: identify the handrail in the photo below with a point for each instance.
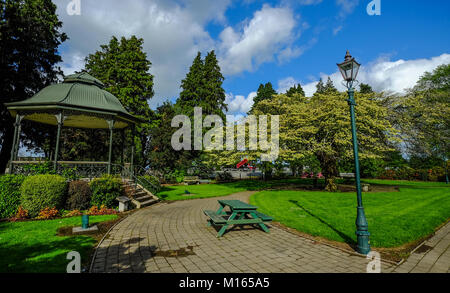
(136, 179)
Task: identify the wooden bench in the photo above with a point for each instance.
(191, 179)
(263, 217)
(215, 218)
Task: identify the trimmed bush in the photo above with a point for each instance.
(10, 194)
(43, 191)
(78, 196)
(105, 190)
(154, 186)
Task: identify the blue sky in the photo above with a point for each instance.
(283, 42)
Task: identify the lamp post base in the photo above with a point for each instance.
(362, 232)
(363, 245)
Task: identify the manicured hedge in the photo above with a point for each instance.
(10, 194)
(78, 196)
(105, 190)
(42, 191)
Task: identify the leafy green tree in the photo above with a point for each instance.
(320, 87)
(321, 128)
(202, 87)
(365, 88)
(296, 89)
(439, 79)
(193, 87)
(29, 37)
(161, 155)
(423, 115)
(123, 67)
(213, 100)
(329, 87)
(265, 92)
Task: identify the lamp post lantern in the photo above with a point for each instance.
(349, 69)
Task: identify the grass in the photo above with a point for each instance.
(405, 183)
(177, 192)
(34, 246)
(394, 218)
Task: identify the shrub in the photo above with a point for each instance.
(39, 169)
(103, 210)
(48, 213)
(223, 177)
(70, 173)
(371, 168)
(41, 191)
(105, 190)
(151, 183)
(73, 213)
(78, 195)
(10, 194)
(176, 176)
(21, 214)
(406, 173)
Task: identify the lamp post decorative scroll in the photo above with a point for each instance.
(349, 70)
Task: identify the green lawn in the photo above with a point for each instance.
(394, 218)
(404, 183)
(34, 247)
(177, 192)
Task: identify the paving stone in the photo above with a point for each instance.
(181, 224)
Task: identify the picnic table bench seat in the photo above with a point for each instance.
(264, 217)
(217, 219)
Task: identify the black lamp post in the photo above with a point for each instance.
(349, 69)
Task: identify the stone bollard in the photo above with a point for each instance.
(123, 203)
(365, 187)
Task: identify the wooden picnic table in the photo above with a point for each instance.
(240, 213)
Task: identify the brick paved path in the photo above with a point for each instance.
(174, 237)
(432, 257)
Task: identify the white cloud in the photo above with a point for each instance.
(285, 84)
(346, 7)
(383, 74)
(239, 104)
(336, 30)
(73, 62)
(173, 33)
(310, 2)
(269, 33)
(289, 53)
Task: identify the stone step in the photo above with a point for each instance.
(132, 190)
(146, 203)
(143, 198)
(140, 197)
(140, 193)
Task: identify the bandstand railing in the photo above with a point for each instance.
(89, 170)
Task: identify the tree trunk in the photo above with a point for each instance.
(5, 153)
(328, 163)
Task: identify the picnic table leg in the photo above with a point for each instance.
(262, 225)
(224, 227)
(220, 211)
(242, 216)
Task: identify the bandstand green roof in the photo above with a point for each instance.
(81, 98)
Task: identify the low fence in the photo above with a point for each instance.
(82, 169)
